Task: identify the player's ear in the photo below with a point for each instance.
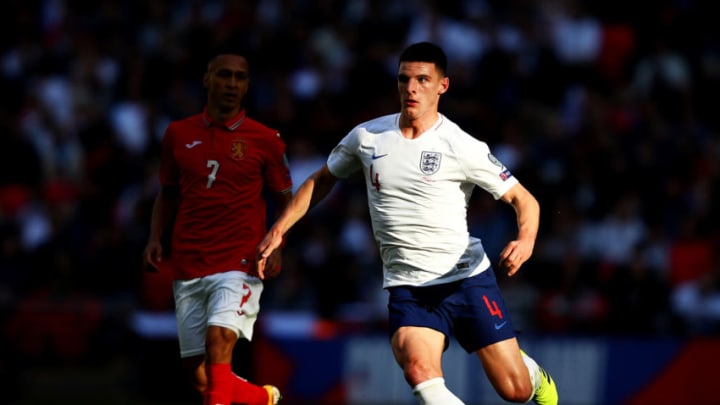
(206, 80)
(444, 85)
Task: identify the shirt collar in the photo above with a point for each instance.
(231, 124)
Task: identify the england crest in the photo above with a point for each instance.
(430, 162)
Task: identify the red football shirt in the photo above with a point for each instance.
(222, 171)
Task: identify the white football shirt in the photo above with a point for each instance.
(418, 191)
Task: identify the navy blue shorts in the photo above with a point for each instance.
(472, 310)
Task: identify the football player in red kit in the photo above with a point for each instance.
(217, 168)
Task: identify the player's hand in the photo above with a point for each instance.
(273, 265)
(269, 258)
(515, 254)
(152, 256)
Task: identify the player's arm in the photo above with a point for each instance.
(273, 262)
(164, 211)
(527, 212)
(311, 191)
(283, 200)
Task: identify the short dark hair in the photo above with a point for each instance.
(425, 52)
(226, 48)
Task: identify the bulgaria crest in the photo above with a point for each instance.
(430, 162)
(237, 150)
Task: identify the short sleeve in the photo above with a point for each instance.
(168, 172)
(484, 169)
(343, 160)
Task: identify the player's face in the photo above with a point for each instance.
(420, 85)
(227, 82)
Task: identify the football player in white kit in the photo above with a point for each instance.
(420, 169)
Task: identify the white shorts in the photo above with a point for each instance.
(230, 300)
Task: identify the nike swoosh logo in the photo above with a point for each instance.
(499, 326)
(193, 144)
(374, 156)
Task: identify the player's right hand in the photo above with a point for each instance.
(152, 256)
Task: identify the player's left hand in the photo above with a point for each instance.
(273, 265)
(269, 257)
(514, 255)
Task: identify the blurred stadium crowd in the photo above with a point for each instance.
(607, 111)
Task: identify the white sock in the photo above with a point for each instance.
(534, 369)
(434, 392)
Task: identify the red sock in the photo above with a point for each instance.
(224, 388)
(220, 380)
(245, 393)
